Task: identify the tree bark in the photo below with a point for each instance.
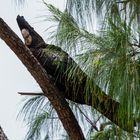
(2, 135)
(38, 72)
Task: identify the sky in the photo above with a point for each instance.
(14, 77)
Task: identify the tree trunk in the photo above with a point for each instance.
(38, 72)
(2, 135)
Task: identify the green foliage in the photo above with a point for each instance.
(35, 113)
(109, 56)
(109, 134)
(43, 122)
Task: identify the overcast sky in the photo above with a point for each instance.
(13, 75)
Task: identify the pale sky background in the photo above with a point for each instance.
(13, 75)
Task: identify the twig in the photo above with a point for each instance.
(31, 93)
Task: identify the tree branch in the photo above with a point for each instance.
(31, 93)
(2, 134)
(57, 63)
(37, 71)
(98, 99)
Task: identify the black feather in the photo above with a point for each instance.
(37, 40)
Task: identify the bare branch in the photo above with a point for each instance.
(37, 71)
(2, 135)
(31, 93)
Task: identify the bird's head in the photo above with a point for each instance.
(27, 37)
